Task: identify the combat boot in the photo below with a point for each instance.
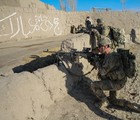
(134, 106)
(102, 103)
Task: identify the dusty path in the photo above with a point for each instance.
(17, 53)
(12, 52)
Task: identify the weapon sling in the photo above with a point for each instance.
(70, 72)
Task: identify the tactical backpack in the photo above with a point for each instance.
(128, 60)
(117, 36)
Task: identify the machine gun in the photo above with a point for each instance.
(74, 55)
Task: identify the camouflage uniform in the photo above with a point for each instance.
(97, 32)
(103, 30)
(111, 75)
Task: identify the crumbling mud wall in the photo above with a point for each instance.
(76, 43)
(27, 96)
(32, 19)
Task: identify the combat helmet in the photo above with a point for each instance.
(104, 41)
(100, 21)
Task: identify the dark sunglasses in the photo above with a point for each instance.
(100, 46)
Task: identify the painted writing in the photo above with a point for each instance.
(39, 23)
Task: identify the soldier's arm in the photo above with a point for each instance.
(105, 31)
(108, 65)
(96, 33)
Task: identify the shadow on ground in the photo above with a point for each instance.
(82, 92)
(38, 62)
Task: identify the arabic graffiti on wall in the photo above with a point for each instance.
(39, 23)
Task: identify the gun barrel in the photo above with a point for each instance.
(73, 53)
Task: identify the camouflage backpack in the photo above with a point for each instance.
(117, 36)
(128, 59)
